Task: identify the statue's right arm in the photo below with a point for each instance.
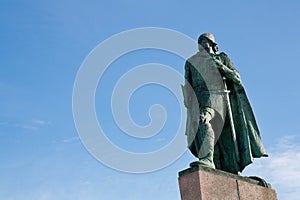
(229, 73)
(187, 89)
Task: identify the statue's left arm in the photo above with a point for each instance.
(227, 68)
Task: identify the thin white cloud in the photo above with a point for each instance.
(29, 127)
(71, 139)
(40, 122)
(282, 168)
(33, 125)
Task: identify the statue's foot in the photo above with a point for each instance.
(203, 162)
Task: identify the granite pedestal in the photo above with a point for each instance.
(202, 183)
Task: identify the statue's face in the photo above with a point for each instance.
(207, 45)
(215, 48)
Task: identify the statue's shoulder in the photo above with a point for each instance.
(189, 61)
(224, 56)
(226, 60)
(192, 58)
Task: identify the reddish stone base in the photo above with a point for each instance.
(202, 183)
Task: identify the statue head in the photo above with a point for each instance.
(208, 36)
(207, 41)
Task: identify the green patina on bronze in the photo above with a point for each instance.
(221, 128)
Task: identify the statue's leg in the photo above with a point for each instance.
(205, 137)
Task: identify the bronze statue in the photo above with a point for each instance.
(221, 128)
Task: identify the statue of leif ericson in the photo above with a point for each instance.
(221, 128)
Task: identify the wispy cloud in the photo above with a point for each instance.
(282, 168)
(40, 122)
(28, 127)
(33, 125)
(71, 139)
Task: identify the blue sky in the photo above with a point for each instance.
(43, 44)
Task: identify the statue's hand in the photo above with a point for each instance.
(237, 77)
(205, 117)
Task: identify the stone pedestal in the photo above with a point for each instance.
(202, 183)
